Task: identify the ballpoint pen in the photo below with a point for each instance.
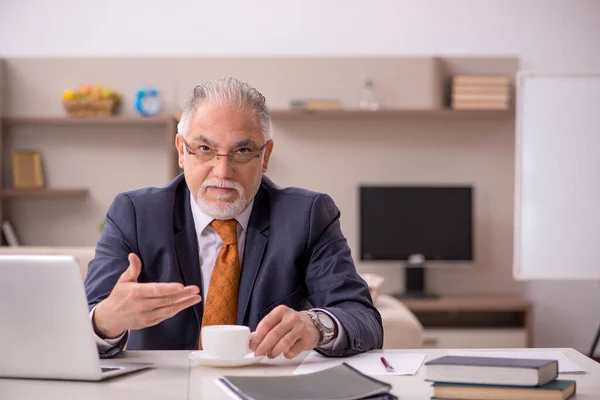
(387, 366)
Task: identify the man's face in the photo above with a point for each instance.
(222, 187)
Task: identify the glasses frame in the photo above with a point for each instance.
(228, 155)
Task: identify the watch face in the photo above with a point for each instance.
(326, 320)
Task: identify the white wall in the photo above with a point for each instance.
(551, 35)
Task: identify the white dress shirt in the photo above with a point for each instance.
(209, 246)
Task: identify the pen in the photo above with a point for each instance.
(387, 366)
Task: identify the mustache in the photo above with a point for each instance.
(221, 183)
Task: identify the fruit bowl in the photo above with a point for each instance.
(91, 101)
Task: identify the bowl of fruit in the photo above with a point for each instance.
(91, 101)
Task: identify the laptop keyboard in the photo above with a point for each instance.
(107, 369)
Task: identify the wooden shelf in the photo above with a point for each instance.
(459, 321)
(351, 113)
(66, 192)
(468, 303)
(158, 121)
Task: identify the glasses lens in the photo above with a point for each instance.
(243, 158)
(204, 156)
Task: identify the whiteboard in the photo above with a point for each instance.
(557, 177)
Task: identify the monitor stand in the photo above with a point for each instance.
(414, 285)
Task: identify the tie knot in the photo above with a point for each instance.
(227, 230)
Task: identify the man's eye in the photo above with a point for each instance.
(244, 150)
(205, 149)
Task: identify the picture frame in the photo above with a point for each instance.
(27, 170)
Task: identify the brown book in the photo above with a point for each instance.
(482, 80)
(480, 105)
(555, 390)
(491, 98)
(487, 90)
(316, 104)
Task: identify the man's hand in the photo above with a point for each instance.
(133, 305)
(284, 331)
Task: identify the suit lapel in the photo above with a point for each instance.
(256, 241)
(186, 245)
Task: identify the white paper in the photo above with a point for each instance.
(367, 363)
(227, 390)
(565, 365)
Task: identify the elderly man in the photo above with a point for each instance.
(222, 244)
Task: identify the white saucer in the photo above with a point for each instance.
(206, 359)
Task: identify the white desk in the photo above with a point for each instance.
(175, 377)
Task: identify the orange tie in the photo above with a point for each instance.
(220, 306)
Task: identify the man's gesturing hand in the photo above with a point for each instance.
(284, 331)
(133, 305)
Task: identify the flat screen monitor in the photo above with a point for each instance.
(399, 221)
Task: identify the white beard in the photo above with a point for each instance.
(227, 210)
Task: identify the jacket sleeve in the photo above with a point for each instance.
(334, 285)
(118, 239)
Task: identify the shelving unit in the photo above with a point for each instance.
(474, 321)
(90, 159)
(283, 114)
(161, 121)
(391, 113)
(79, 131)
(54, 192)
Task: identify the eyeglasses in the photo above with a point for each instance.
(240, 156)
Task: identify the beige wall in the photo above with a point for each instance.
(336, 156)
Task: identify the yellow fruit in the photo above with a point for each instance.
(68, 94)
(107, 93)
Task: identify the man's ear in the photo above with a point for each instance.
(268, 151)
(180, 150)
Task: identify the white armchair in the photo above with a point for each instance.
(401, 328)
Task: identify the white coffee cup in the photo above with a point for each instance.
(227, 342)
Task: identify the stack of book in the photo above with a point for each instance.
(315, 104)
(490, 378)
(480, 92)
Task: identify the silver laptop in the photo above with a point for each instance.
(45, 328)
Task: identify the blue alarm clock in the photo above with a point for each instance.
(147, 102)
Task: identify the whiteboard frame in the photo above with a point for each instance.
(518, 273)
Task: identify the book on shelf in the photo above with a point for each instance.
(481, 90)
(341, 382)
(491, 370)
(480, 97)
(481, 80)
(9, 234)
(474, 105)
(555, 390)
(315, 104)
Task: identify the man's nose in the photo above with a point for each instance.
(223, 167)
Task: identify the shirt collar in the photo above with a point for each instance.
(201, 220)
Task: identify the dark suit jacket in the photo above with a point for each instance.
(295, 254)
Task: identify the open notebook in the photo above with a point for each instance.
(341, 382)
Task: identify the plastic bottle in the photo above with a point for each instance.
(367, 99)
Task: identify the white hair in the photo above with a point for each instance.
(228, 91)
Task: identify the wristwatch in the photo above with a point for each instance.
(324, 323)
